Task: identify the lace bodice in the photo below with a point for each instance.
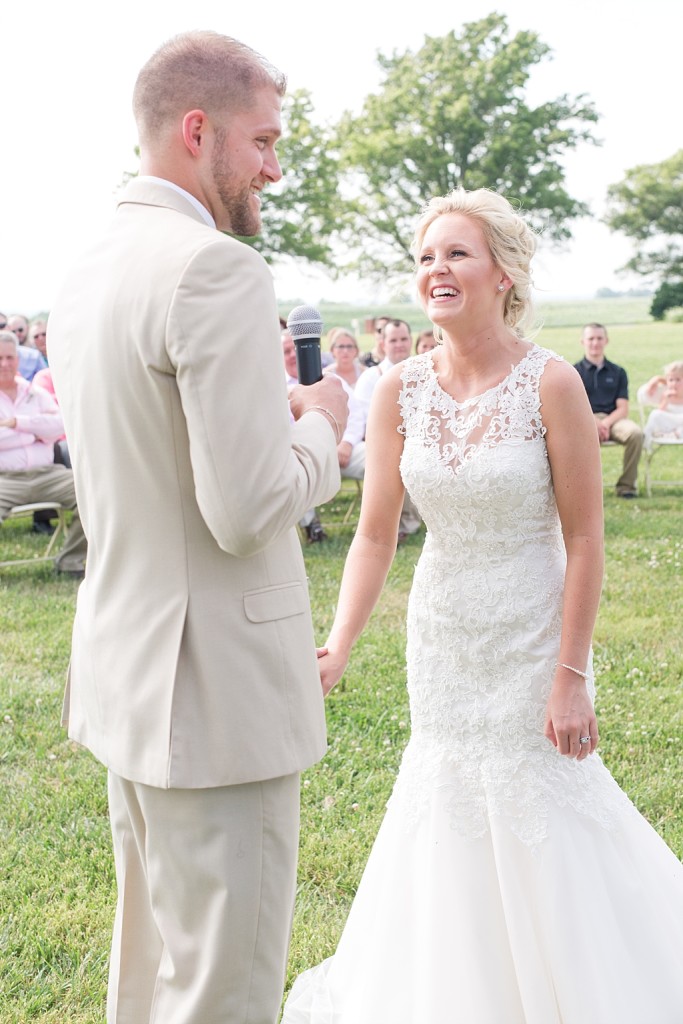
(484, 615)
(479, 467)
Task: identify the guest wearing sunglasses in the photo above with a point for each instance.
(37, 337)
(375, 357)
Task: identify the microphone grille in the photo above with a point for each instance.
(305, 322)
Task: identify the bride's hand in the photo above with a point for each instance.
(570, 716)
(331, 666)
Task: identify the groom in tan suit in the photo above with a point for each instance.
(193, 674)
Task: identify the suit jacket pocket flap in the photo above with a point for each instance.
(275, 602)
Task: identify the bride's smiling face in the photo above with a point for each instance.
(456, 275)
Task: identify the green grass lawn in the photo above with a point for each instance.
(56, 876)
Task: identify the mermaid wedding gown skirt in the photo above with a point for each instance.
(507, 884)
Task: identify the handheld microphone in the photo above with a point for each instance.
(305, 324)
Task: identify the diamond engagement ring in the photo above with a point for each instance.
(584, 739)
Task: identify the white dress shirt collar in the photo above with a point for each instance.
(181, 191)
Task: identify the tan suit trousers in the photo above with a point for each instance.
(206, 884)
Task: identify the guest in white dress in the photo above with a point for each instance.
(665, 391)
(512, 881)
(344, 351)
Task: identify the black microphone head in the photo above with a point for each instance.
(305, 322)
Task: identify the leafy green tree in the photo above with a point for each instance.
(648, 207)
(454, 113)
(669, 295)
(301, 213)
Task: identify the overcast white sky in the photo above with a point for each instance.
(68, 71)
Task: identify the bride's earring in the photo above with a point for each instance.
(501, 287)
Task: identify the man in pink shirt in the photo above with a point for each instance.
(30, 423)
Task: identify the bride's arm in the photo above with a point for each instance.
(574, 456)
(374, 544)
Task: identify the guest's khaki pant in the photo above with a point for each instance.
(629, 434)
(47, 483)
(206, 883)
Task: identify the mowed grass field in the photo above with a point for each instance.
(56, 873)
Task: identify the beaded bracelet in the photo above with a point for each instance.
(584, 675)
(333, 418)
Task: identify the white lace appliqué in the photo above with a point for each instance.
(484, 614)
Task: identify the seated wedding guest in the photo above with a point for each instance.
(606, 385)
(309, 523)
(344, 350)
(37, 337)
(30, 423)
(397, 341)
(376, 355)
(30, 362)
(18, 324)
(3, 321)
(43, 379)
(665, 391)
(42, 519)
(425, 341)
(30, 359)
(351, 448)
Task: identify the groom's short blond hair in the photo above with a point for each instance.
(198, 71)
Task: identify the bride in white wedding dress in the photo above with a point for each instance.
(512, 882)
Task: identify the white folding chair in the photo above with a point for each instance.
(656, 445)
(22, 511)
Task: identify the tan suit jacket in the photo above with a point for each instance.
(193, 661)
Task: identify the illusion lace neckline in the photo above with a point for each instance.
(474, 399)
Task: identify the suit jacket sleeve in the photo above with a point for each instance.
(254, 473)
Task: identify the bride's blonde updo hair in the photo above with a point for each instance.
(511, 243)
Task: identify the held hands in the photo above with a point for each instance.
(327, 394)
(331, 666)
(570, 716)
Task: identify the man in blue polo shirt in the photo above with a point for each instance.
(607, 389)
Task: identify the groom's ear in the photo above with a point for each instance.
(194, 130)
